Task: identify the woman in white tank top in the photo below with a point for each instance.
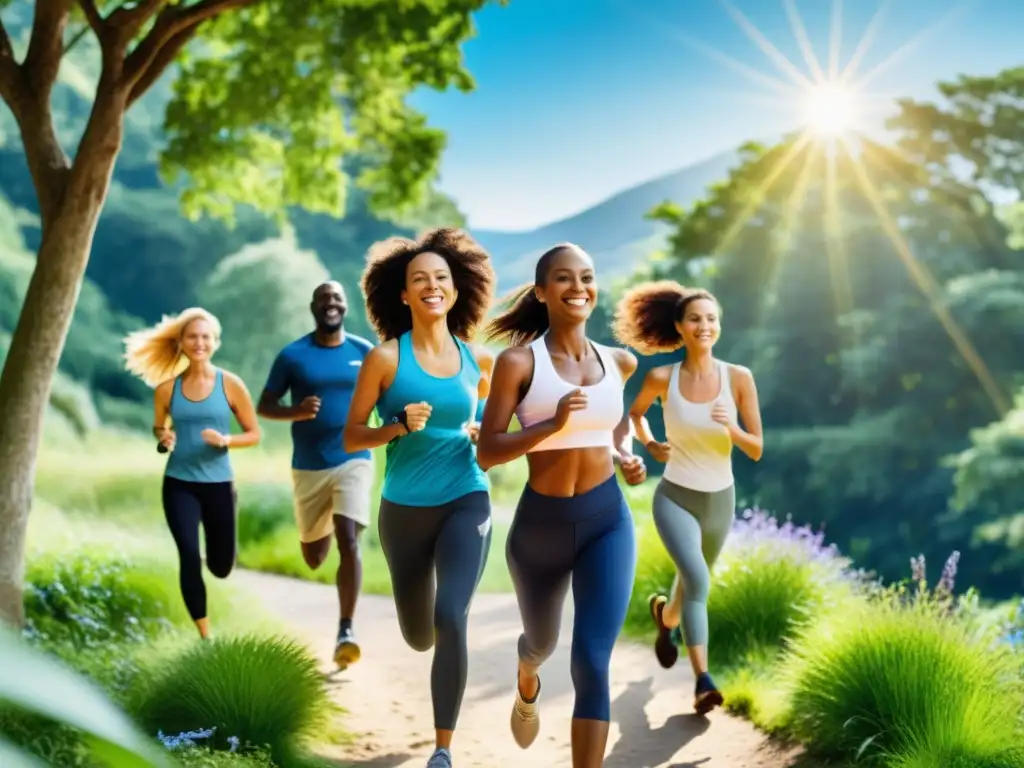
(704, 400)
(572, 525)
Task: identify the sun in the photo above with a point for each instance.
(830, 110)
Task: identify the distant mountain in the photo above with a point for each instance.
(614, 231)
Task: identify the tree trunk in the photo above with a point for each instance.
(42, 328)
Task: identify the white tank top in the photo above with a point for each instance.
(701, 456)
(593, 426)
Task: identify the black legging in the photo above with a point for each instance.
(450, 543)
(186, 505)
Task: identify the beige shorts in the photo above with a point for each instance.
(320, 494)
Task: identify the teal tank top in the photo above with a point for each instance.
(192, 459)
(437, 464)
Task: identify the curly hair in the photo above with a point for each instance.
(526, 316)
(646, 316)
(384, 278)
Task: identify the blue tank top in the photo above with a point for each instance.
(192, 459)
(437, 464)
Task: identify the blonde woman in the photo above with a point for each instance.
(199, 399)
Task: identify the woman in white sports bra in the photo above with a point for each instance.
(695, 502)
(572, 525)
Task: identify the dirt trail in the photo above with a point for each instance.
(388, 701)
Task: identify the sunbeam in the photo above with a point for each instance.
(929, 288)
(757, 198)
(835, 40)
(910, 45)
(796, 25)
(864, 44)
(757, 38)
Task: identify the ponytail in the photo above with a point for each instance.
(646, 316)
(525, 319)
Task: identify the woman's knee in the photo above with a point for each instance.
(696, 581)
(221, 568)
(449, 621)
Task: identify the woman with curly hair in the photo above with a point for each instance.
(572, 525)
(199, 399)
(695, 502)
(425, 299)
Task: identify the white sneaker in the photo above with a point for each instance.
(525, 718)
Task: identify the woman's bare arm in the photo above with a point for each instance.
(375, 375)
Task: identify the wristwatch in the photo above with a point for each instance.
(403, 419)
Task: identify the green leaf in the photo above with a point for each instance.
(33, 682)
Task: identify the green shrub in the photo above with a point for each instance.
(907, 683)
(261, 691)
(92, 600)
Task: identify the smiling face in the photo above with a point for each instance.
(700, 324)
(429, 289)
(198, 341)
(329, 306)
(570, 289)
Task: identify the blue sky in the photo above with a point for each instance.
(578, 99)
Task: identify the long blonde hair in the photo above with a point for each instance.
(154, 354)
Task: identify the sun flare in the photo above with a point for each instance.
(830, 110)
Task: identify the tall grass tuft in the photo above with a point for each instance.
(255, 691)
(907, 681)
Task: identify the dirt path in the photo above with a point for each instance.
(388, 701)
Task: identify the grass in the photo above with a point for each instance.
(814, 651)
(248, 690)
(115, 476)
(102, 596)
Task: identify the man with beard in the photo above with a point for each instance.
(331, 487)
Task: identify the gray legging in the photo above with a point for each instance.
(693, 526)
(450, 541)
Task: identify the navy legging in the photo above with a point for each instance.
(588, 540)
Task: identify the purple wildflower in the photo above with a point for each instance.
(756, 529)
(947, 581)
(917, 568)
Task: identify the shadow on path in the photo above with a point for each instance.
(638, 743)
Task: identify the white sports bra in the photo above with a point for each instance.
(701, 448)
(590, 428)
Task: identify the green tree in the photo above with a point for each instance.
(267, 101)
(879, 303)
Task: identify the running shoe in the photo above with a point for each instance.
(664, 648)
(706, 696)
(525, 719)
(441, 758)
(346, 651)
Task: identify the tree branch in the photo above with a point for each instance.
(164, 58)
(92, 15)
(10, 73)
(132, 19)
(174, 27)
(46, 46)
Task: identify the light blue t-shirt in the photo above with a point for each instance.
(305, 368)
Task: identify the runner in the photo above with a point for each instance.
(331, 487)
(426, 298)
(199, 400)
(695, 502)
(572, 524)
